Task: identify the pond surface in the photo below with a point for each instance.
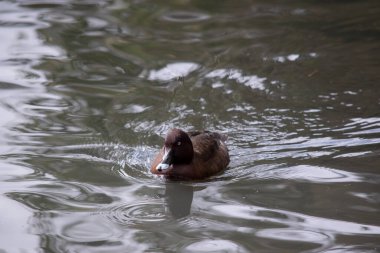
(88, 90)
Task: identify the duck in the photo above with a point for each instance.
(191, 155)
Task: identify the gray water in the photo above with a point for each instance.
(88, 90)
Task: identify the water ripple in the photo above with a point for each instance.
(172, 71)
(128, 162)
(87, 230)
(295, 220)
(60, 196)
(251, 81)
(295, 235)
(184, 16)
(310, 173)
(136, 213)
(23, 43)
(214, 245)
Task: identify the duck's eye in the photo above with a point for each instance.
(179, 143)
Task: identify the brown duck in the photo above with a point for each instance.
(192, 155)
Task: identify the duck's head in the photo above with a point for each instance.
(178, 149)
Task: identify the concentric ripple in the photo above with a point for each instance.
(87, 231)
(135, 213)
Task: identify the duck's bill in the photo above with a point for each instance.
(166, 160)
(162, 167)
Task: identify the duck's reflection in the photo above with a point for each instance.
(179, 198)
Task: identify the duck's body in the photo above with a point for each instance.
(193, 155)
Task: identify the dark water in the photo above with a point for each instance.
(89, 88)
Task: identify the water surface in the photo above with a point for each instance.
(88, 90)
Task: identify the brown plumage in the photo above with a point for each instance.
(193, 155)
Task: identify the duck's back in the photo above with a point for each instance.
(210, 152)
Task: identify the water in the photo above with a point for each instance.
(89, 88)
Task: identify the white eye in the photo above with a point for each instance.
(179, 143)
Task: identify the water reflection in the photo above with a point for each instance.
(179, 198)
